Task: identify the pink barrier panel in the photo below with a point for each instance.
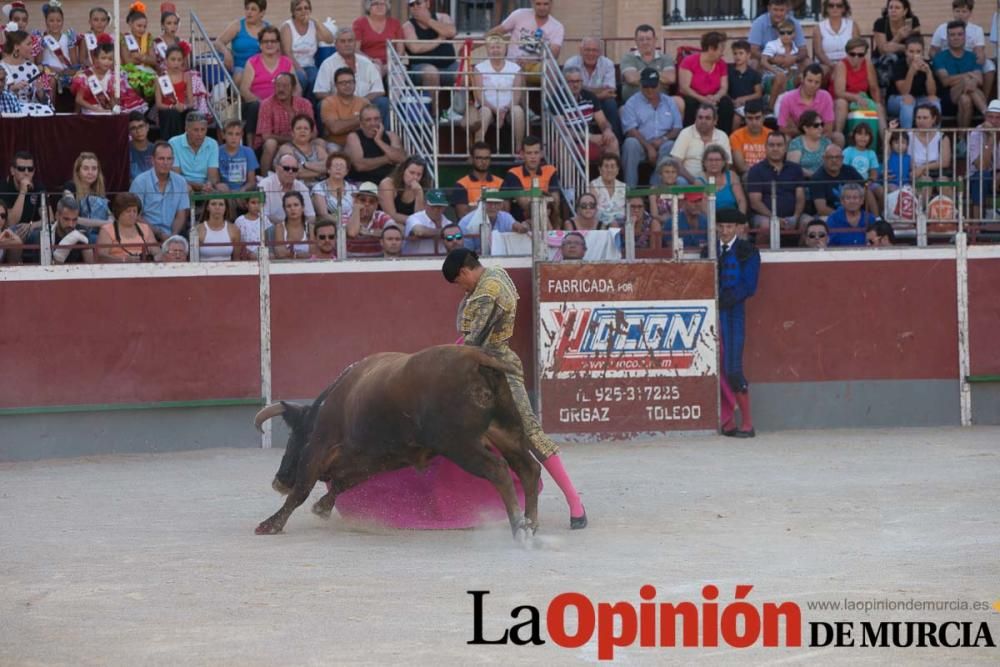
(984, 316)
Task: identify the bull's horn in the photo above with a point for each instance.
(266, 413)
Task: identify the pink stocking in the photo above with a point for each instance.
(554, 466)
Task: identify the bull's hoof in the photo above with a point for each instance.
(279, 487)
(267, 528)
(320, 511)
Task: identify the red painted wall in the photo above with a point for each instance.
(984, 316)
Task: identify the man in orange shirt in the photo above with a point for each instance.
(749, 142)
(341, 112)
(468, 189)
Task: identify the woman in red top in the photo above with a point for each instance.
(375, 29)
(171, 104)
(704, 79)
(854, 85)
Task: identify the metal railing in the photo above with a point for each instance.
(565, 137)
(224, 100)
(410, 111)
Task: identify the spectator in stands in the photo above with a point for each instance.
(249, 226)
(703, 78)
(432, 60)
(691, 142)
(816, 235)
(521, 177)
(984, 170)
(452, 237)
(855, 85)
(334, 195)
(527, 29)
(291, 235)
(87, 189)
(237, 163)
(914, 83)
(807, 97)
(573, 246)
(10, 242)
(692, 223)
(9, 104)
(827, 183)
(643, 223)
(900, 165)
(806, 150)
(401, 193)
(196, 155)
(23, 76)
(374, 151)
(781, 60)
(930, 149)
(610, 192)
(423, 227)
(172, 102)
(261, 72)
(748, 142)
(274, 120)
(745, 83)
(788, 179)
(58, 53)
(661, 206)
(975, 41)
(218, 239)
(367, 75)
(140, 148)
(860, 155)
(651, 122)
(170, 23)
(94, 86)
(848, 223)
(341, 112)
(645, 55)
(891, 31)
(469, 188)
(98, 20)
(174, 249)
(764, 28)
(497, 92)
(67, 239)
(282, 181)
(959, 72)
(716, 171)
(880, 234)
(586, 215)
(163, 194)
(307, 149)
(127, 239)
(20, 194)
(239, 40)
(391, 242)
(136, 43)
(325, 231)
(499, 219)
(366, 222)
(300, 37)
(830, 36)
(598, 72)
(600, 133)
(374, 30)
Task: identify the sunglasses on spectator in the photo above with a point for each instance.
(268, 41)
(858, 55)
(453, 237)
(786, 32)
(22, 168)
(586, 205)
(289, 169)
(326, 237)
(817, 235)
(816, 125)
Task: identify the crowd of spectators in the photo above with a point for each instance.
(775, 129)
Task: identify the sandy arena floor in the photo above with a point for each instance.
(152, 560)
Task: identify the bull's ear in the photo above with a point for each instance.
(294, 415)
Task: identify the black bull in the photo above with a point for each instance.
(392, 410)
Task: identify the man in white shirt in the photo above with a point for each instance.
(691, 142)
(424, 227)
(277, 183)
(367, 75)
(525, 26)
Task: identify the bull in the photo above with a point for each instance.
(392, 410)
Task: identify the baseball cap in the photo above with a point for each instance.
(436, 198)
(649, 78)
(693, 196)
(492, 195)
(367, 188)
(994, 106)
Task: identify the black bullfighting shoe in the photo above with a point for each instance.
(742, 434)
(578, 522)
